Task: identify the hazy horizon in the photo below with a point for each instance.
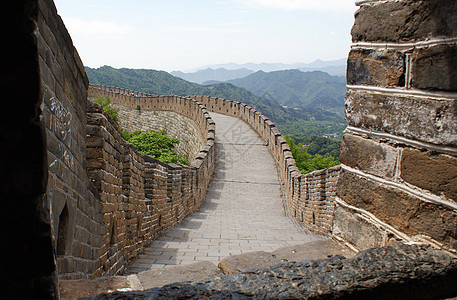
(221, 66)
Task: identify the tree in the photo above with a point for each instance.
(306, 162)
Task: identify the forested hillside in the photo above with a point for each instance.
(294, 88)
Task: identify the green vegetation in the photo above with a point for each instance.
(104, 103)
(323, 146)
(156, 144)
(311, 135)
(301, 130)
(307, 162)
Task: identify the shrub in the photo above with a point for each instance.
(104, 103)
(156, 144)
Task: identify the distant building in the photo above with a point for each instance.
(331, 136)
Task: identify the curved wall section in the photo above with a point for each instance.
(310, 197)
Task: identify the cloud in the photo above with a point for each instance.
(301, 4)
(96, 28)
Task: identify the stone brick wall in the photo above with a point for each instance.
(140, 195)
(144, 112)
(399, 153)
(106, 201)
(309, 197)
(76, 214)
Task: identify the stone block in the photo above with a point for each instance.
(398, 272)
(383, 68)
(430, 171)
(319, 249)
(75, 289)
(418, 118)
(433, 68)
(397, 21)
(247, 261)
(399, 209)
(369, 156)
(356, 230)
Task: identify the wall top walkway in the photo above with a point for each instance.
(243, 210)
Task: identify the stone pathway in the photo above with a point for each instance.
(242, 212)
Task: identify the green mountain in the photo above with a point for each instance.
(294, 88)
(143, 80)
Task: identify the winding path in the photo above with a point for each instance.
(242, 212)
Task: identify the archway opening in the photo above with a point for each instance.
(63, 231)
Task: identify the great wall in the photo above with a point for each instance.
(81, 202)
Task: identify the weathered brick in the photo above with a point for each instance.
(401, 210)
(430, 171)
(397, 21)
(433, 68)
(356, 230)
(369, 156)
(419, 118)
(383, 68)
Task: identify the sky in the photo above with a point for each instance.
(189, 34)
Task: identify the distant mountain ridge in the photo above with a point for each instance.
(333, 67)
(219, 74)
(295, 88)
